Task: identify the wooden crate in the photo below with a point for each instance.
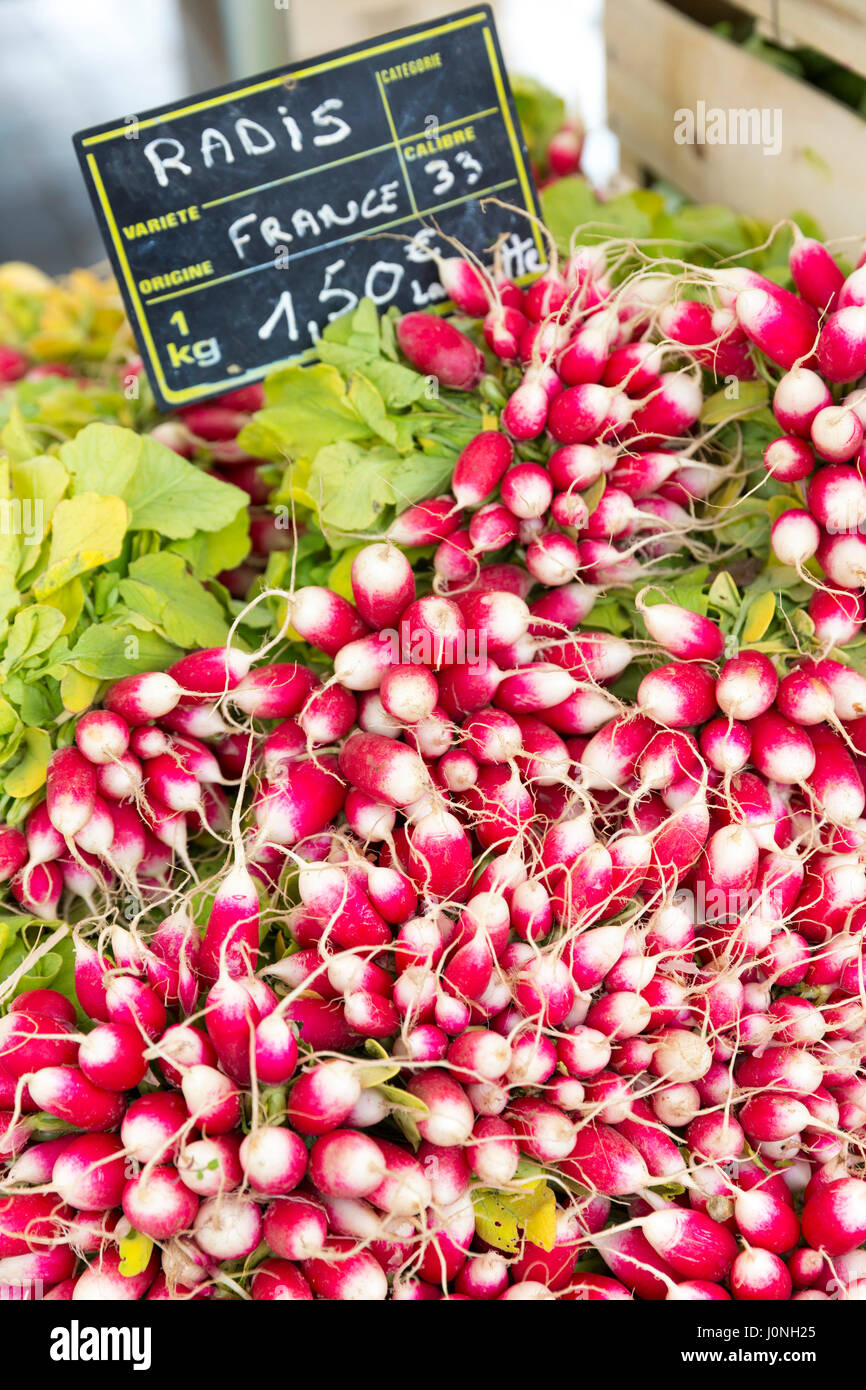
(660, 61)
(834, 27)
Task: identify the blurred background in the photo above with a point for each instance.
(623, 71)
(67, 66)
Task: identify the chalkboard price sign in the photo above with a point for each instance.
(241, 222)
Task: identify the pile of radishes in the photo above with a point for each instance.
(540, 936)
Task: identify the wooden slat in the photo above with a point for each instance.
(834, 27)
(660, 62)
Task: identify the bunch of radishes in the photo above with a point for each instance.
(523, 1027)
(605, 947)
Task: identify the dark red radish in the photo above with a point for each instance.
(834, 1218)
(785, 330)
(438, 349)
(383, 584)
(277, 691)
(153, 1126)
(279, 1281)
(301, 803)
(695, 1246)
(480, 467)
(139, 699)
(66, 1093)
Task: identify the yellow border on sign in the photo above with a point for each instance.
(512, 136)
(178, 397)
(130, 279)
(395, 139)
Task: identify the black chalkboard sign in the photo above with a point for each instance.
(242, 221)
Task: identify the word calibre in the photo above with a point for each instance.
(77, 1343)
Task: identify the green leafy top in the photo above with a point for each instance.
(109, 551)
(702, 233)
(362, 436)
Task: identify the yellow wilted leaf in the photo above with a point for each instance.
(494, 1222)
(77, 691)
(534, 1210)
(404, 1100)
(381, 1070)
(523, 1203)
(375, 1074)
(762, 610)
(29, 774)
(540, 1227)
(69, 598)
(84, 284)
(135, 1251)
(86, 531)
(59, 334)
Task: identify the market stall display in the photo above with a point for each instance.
(432, 785)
